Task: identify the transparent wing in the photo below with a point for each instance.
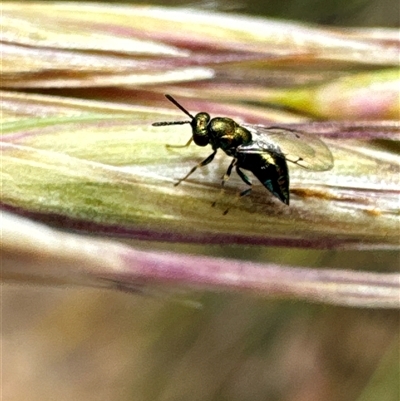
(298, 147)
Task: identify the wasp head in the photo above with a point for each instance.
(200, 129)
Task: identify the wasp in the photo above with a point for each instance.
(259, 149)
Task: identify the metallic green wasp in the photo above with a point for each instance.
(261, 150)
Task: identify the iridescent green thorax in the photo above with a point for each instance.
(226, 134)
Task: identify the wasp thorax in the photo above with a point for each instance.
(200, 129)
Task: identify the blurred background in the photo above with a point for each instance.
(84, 344)
(362, 13)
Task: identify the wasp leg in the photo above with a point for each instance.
(247, 180)
(206, 161)
(180, 146)
(225, 178)
(243, 176)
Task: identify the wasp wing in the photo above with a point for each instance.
(298, 147)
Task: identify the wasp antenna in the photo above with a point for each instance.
(162, 123)
(172, 100)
